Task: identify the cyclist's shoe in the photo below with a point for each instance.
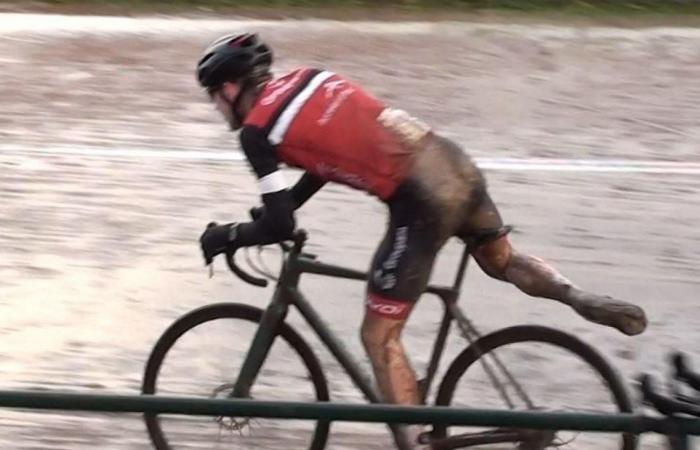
(413, 434)
(627, 318)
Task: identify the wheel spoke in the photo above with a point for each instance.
(556, 370)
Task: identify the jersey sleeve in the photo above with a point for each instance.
(277, 223)
(305, 188)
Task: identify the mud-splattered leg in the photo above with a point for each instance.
(535, 277)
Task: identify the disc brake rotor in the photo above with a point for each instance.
(233, 424)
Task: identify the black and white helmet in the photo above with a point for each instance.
(231, 58)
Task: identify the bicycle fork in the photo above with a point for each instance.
(262, 342)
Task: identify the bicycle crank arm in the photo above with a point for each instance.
(529, 439)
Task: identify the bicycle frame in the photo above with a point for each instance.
(271, 322)
(287, 293)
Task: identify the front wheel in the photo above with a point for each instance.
(200, 355)
(550, 370)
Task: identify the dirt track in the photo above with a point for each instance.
(99, 252)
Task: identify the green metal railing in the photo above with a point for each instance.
(634, 423)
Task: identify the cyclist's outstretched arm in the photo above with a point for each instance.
(305, 188)
(275, 221)
(537, 278)
(307, 185)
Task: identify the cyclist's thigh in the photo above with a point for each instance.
(403, 262)
(483, 231)
(482, 223)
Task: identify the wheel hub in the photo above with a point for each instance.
(233, 424)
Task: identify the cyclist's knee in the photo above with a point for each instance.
(370, 335)
(381, 341)
(384, 320)
(494, 257)
(391, 310)
(376, 331)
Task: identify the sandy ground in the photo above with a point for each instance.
(99, 251)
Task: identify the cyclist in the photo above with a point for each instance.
(319, 121)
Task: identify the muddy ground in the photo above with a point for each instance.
(99, 249)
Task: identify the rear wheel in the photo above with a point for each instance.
(200, 355)
(557, 372)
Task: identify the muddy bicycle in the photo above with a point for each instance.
(206, 353)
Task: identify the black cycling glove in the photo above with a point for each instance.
(257, 212)
(218, 239)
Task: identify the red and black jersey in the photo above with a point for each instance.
(326, 125)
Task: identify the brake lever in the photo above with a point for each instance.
(258, 266)
(265, 268)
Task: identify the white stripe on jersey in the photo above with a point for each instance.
(290, 112)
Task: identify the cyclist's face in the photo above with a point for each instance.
(223, 98)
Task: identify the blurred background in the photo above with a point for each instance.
(584, 115)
